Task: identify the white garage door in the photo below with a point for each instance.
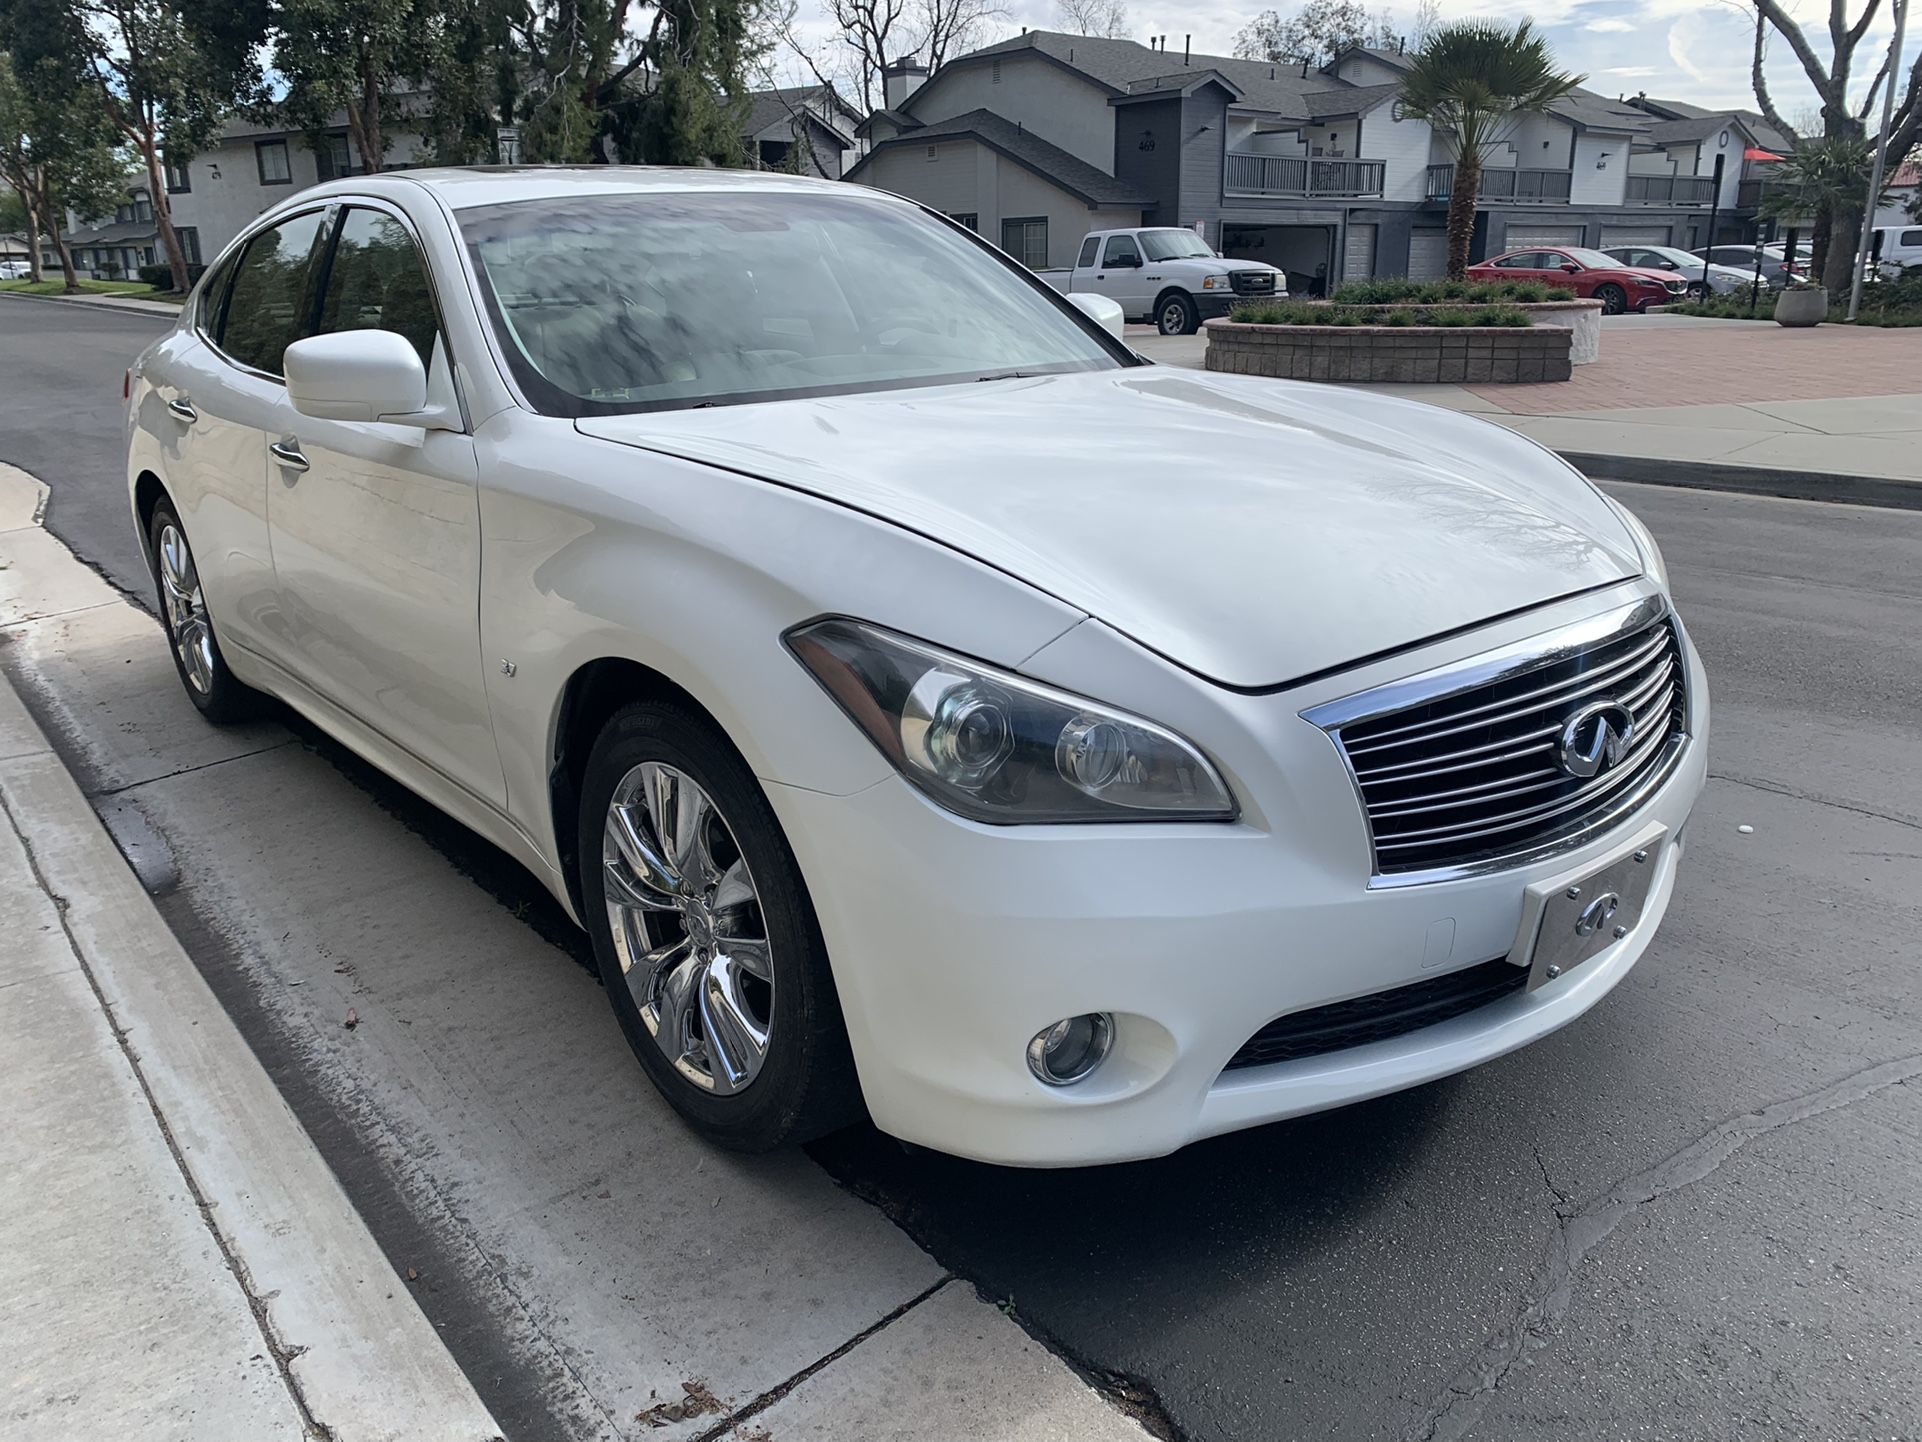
(1518, 236)
(1634, 235)
(1427, 253)
(1358, 254)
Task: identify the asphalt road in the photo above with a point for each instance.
(1692, 1215)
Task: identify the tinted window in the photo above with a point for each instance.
(267, 308)
(1122, 250)
(1910, 237)
(1088, 248)
(626, 302)
(1521, 260)
(377, 281)
(1174, 245)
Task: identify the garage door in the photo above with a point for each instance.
(1518, 236)
(1358, 254)
(1427, 253)
(1634, 235)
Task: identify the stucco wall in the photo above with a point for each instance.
(1042, 97)
(1605, 186)
(1404, 145)
(967, 178)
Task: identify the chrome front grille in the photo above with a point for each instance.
(1252, 282)
(1481, 763)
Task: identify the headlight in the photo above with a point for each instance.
(1652, 561)
(1216, 282)
(996, 747)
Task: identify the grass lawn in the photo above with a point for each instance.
(95, 287)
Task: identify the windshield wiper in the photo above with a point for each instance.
(1009, 376)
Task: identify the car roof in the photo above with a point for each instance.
(462, 187)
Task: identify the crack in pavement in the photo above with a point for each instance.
(1776, 789)
(1461, 1402)
(127, 786)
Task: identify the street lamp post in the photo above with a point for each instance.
(1881, 158)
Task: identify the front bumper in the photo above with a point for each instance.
(1214, 304)
(953, 943)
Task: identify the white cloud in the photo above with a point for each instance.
(1631, 71)
(1613, 25)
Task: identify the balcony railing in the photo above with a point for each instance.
(1291, 175)
(1671, 189)
(1550, 186)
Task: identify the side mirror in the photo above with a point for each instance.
(1100, 309)
(360, 375)
(1571, 268)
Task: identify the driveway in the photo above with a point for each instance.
(1689, 1216)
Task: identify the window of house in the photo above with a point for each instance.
(1088, 248)
(968, 218)
(179, 177)
(377, 281)
(994, 72)
(268, 306)
(122, 214)
(332, 158)
(1121, 250)
(142, 208)
(189, 242)
(275, 168)
(1026, 239)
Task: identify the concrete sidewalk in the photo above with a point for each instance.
(1830, 413)
(176, 1261)
(164, 308)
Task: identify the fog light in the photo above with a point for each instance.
(1070, 1049)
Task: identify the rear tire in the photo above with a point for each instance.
(1697, 291)
(1613, 298)
(1176, 315)
(190, 628)
(705, 937)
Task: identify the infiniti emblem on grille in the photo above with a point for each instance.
(1596, 738)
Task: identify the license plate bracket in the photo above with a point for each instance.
(1572, 919)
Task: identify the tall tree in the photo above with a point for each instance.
(164, 74)
(1473, 80)
(1319, 29)
(1105, 18)
(1840, 119)
(872, 34)
(352, 56)
(57, 152)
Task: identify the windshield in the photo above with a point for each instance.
(661, 299)
(1173, 244)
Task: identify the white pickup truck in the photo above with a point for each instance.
(1165, 275)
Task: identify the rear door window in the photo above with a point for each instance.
(1088, 249)
(272, 294)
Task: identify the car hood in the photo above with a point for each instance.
(1252, 531)
(1226, 264)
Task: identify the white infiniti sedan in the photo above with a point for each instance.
(923, 701)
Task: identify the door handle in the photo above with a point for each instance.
(183, 409)
(287, 452)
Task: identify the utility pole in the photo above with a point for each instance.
(1714, 219)
(1881, 159)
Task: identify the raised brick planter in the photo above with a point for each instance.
(1407, 353)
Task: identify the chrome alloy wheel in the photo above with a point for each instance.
(688, 928)
(193, 633)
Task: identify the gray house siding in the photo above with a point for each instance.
(1204, 129)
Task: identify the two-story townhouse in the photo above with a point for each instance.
(1040, 138)
(113, 247)
(809, 129)
(251, 165)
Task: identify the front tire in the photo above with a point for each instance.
(1613, 298)
(1176, 315)
(1696, 290)
(190, 628)
(705, 937)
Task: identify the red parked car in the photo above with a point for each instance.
(1588, 273)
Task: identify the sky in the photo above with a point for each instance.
(1692, 50)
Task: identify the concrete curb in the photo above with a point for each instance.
(130, 304)
(361, 1359)
(1750, 480)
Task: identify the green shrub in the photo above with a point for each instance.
(1889, 303)
(1430, 292)
(161, 277)
(1295, 312)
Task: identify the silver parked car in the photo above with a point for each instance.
(1722, 279)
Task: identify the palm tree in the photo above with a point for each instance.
(1825, 178)
(1474, 79)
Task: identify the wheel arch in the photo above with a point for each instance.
(592, 694)
(148, 492)
(1167, 293)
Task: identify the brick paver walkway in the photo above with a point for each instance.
(1709, 365)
